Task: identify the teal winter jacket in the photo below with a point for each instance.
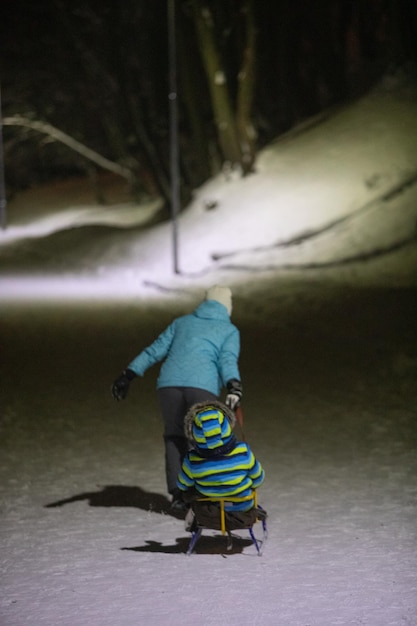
(200, 350)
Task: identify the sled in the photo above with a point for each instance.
(226, 524)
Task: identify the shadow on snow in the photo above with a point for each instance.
(123, 496)
(207, 544)
(120, 496)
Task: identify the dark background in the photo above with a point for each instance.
(98, 70)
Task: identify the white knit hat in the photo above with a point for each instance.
(222, 295)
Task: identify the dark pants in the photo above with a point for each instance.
(174, 403)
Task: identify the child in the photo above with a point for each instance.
(218, 466)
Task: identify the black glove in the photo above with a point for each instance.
(234, 393)
(121, 385)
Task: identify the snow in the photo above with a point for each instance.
(329, 364)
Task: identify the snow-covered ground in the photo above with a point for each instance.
(319, 249)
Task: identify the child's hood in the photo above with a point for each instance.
(208, 425)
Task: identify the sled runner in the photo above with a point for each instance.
(210, 513)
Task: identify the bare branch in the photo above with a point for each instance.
(59, 135)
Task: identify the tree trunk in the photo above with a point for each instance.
(246, 86)
(196, 155)
(221, 102)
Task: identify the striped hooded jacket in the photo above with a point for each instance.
(218, 465)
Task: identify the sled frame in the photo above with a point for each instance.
(197, 532)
